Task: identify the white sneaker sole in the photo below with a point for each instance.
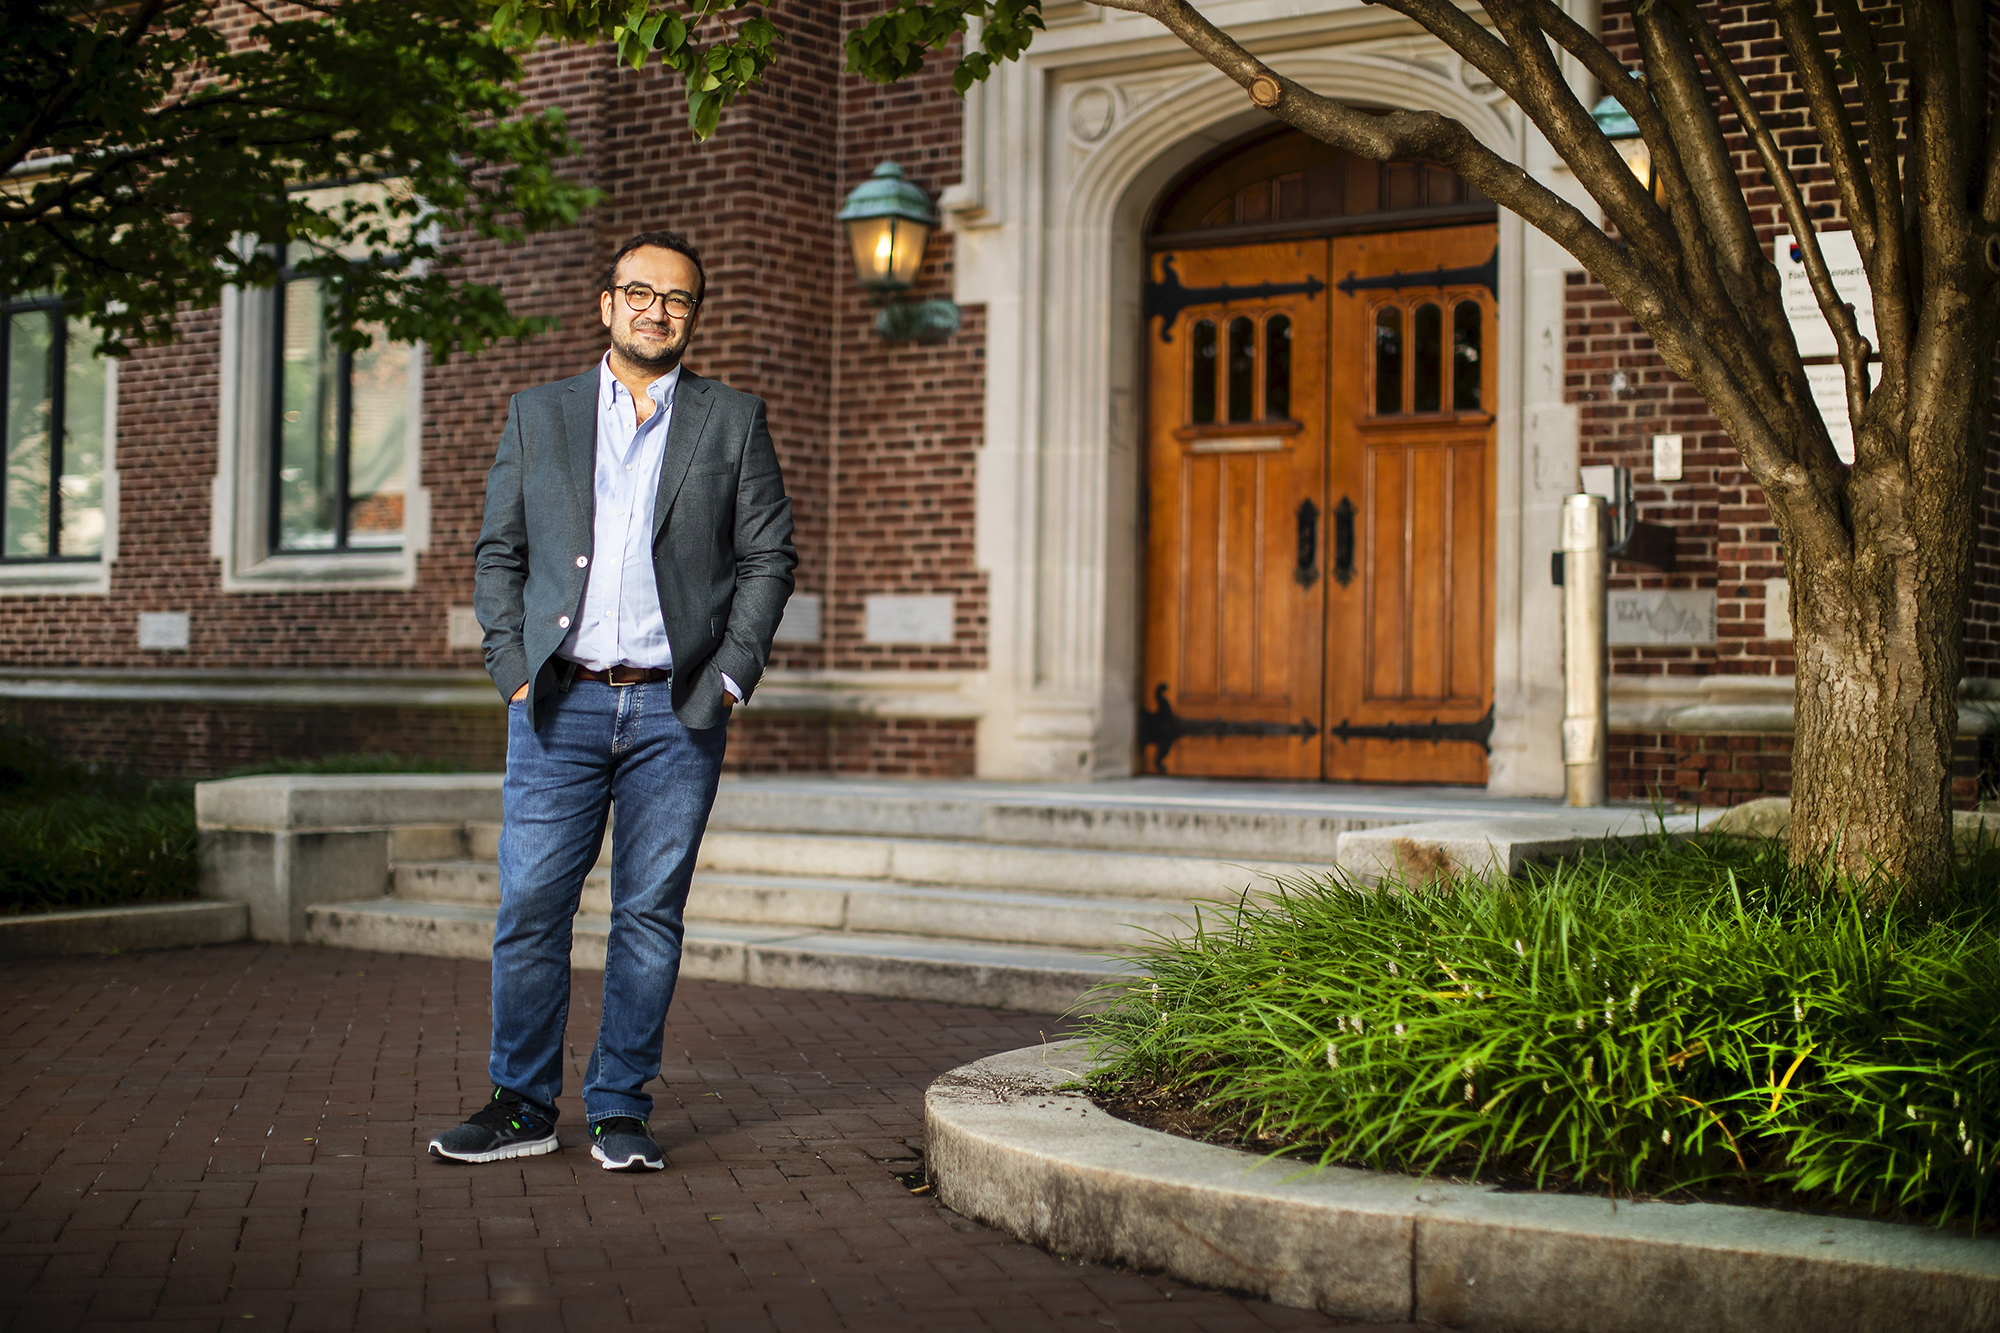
(532, 1149)
(635, 1162)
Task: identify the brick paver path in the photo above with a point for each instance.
(233, 1138)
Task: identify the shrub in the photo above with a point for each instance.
(1693, 1015)
(72, 836)
(90, 851)
(350, 763)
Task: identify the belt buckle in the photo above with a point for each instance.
(611, 675)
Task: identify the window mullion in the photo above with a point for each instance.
(58, 395)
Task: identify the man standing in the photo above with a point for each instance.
(634, 559)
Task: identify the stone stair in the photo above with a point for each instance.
(1022, 899)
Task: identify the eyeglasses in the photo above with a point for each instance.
(640, 298)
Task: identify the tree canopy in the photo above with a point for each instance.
(157, 152)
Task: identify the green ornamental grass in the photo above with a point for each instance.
(1694, 1017)
(74, 837)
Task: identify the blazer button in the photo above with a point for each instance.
(562, 622)
(582, 560)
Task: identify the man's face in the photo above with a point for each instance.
(651, 340)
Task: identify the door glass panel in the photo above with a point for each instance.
(1277, 368)
(1427, 332)
(1388, 361)
(1242, 368)
(1204, 372)
(1465, 326)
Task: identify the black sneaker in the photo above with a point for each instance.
(505, 1127)
(622, 1144)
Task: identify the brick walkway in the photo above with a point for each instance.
(206, 1138)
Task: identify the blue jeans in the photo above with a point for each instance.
(598, 744)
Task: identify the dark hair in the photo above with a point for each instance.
(659, 240)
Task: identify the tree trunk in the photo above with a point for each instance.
(1876, 714)
(1879, 627)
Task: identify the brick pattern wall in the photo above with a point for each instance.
(878, 443)
(1718, 769)
(908, 421)
(904, 747)
(1727, 539)
(201, 741)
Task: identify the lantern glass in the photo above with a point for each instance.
(888, 251)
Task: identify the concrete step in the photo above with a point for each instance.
(1230, 821)
(972, 861)
(1000, 976)
(1282, 822)
(996, 916)
(987, 865)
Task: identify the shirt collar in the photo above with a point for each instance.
(610, 390)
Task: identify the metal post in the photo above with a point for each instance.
(1584, 710)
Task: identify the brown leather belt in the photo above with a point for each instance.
(625, 675)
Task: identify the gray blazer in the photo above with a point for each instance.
(722, 540)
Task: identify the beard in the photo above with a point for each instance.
(660, 357)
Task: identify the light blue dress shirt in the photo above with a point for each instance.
(621, 623)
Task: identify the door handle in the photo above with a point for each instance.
(1307, 572)
(1343, 542)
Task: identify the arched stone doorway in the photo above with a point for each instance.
(1319, 495)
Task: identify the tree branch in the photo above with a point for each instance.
(1887, 257)
(1839, 314)
(1675, 82)
(1798, 28)
(1633, 282)
(1549, 101)
(65, 97)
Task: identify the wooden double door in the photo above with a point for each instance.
(1320, 508)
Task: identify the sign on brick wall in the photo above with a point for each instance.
(1656, 617)
(901, 619)
(1843, 264)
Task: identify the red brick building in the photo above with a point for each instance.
(1116, 523)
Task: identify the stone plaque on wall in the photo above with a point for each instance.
(1660, 617)
(897, 619)
(800, 623)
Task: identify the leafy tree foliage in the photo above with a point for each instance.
(159, 151)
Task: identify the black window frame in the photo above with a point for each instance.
(10, 306)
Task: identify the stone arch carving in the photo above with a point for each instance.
(1078, 544)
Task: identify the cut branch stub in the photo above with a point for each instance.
(1264, 91)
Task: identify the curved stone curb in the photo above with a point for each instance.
(1006, 1147)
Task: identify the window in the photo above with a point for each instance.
(338, 432)
(318, 463)
(1427, 366)
(56, 432)
(1240, 379)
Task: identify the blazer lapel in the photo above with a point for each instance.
(579, 418)
(683, 435)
